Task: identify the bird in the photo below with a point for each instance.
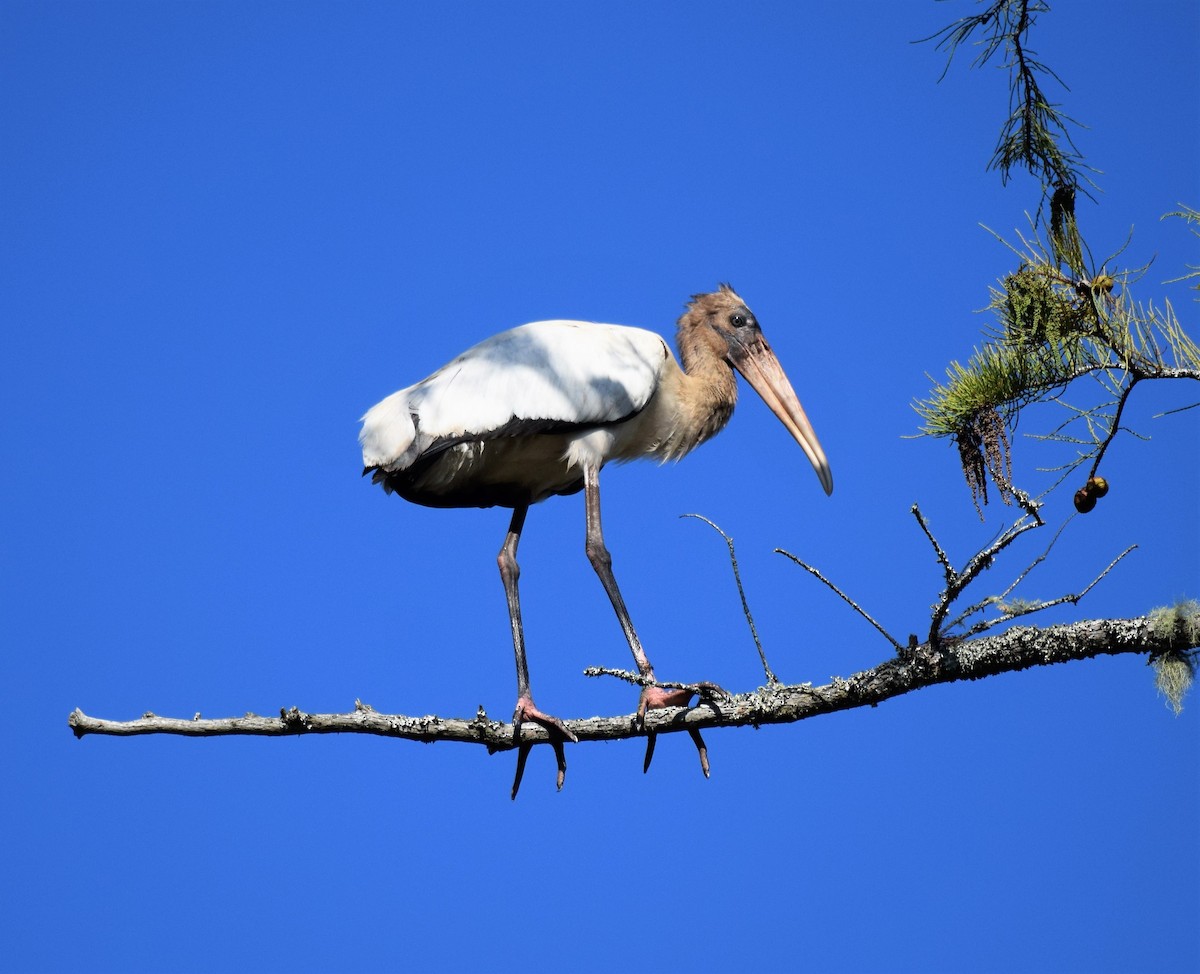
(539, 410)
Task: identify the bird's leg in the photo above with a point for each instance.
(510, 571)
(651, 698)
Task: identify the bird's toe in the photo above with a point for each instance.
(526, 710)
(657, 698)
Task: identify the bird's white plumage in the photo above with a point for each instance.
(570, 372)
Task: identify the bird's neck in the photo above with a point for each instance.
(710, 382)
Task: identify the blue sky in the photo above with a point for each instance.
(232, 227)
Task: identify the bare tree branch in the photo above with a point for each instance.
(737, 577)
(815, 572)
(1016, 610)
(914, 668)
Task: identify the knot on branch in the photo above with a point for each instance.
(923, 661)
(294, 719)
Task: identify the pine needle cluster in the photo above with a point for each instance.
(1050, 331)
(1036, 135)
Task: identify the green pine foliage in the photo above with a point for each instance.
(1059, 317)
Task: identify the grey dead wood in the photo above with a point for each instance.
(913, 668)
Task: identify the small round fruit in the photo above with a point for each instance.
(1097, 486)
(1084, 501)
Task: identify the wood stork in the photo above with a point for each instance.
(540, 409)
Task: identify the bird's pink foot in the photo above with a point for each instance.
(657, 698)
(527, 710)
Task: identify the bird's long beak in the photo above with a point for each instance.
(762, 370)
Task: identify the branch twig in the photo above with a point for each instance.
(991, 600)
(957, 581)
(737, 577)
(1073, 598)
(844, 597)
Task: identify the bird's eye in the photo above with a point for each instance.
(737, 320)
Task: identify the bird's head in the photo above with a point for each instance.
(722, 322)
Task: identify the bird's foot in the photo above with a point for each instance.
(657, 698)
(527, 710)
